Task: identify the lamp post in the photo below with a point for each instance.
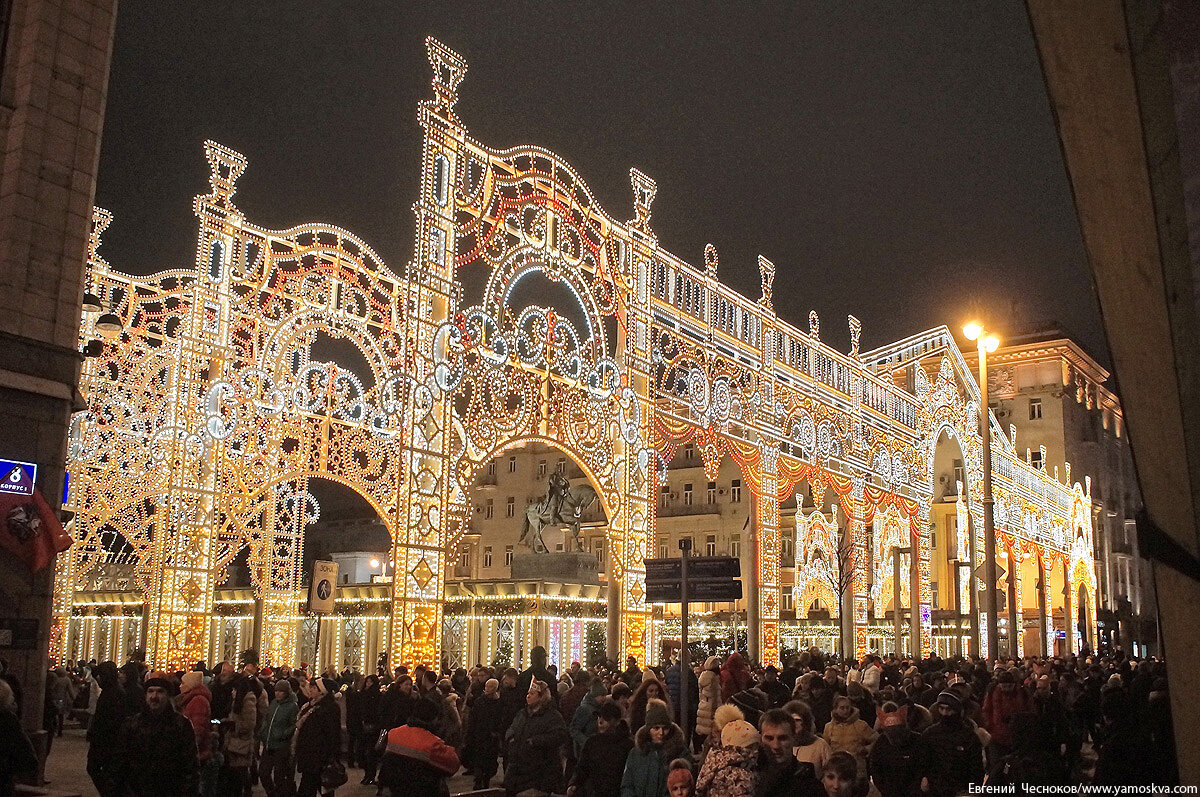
(383, 565)
(987, 343)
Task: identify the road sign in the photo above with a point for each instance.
(16, 477)
(699, 567)
(699, 590)
(324, 583)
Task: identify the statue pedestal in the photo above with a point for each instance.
(568, 567)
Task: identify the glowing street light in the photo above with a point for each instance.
(987, 343)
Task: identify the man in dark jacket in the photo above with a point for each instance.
(601, 761)
(483, 734)
(672, 677)
(157, 748)
(105, 729)
(318, 738)
(779, 773)
(897, 757)
(953, 753)
(537, 672)
(532, 744)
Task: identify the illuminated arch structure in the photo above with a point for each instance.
(206, 414)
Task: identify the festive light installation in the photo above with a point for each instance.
(207, 414)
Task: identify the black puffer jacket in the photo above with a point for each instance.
(601, 762)
(158, 755)
(953, 757)
(896, 761)
(531, 745)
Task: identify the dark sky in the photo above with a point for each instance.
(897, 161)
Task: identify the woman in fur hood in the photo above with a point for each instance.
(658, 743)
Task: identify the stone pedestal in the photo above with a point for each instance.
(569, 567)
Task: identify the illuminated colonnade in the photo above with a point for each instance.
(207, 415)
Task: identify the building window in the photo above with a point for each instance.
(464, 556)
(598, 547)
(689, 451)
(662, 547)
(512, 464)
(488, 509)
(785, 546)
(1035, 409)
(510, 509)
(664, 496)
(487, 556)
(712, 492)
(933, 587)
(508, 553)
(492, 468)
(933, 539)
(1035, 459)
(960, 475)
(687, 494)
(735, 491)
(710, 545)
(541, 468)
(735, 546)
(785, 600)
(561, 466)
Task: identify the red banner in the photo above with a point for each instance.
(30, 529)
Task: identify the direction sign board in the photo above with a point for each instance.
(699, 567)
(16, 477)
(324, 584)
(699, 591)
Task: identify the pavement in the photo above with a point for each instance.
(66, 771)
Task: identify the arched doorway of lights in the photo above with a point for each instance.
(502, 597)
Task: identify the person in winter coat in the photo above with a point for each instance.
(897, 757)
(370, 701)
(104, 729)
(810, 748)
(318, 737)
(725, 714)
(157, 748)
(1005, 701)
(193, 703)
(600, 762)
(708, 696)
(537, 672)
(17, 756)
(239, 744)
(415, 760)
(655, 746)
(953, 753)
(483, 735)
(847, 731)
(532, 743)
(649, 689)
(584, 723)
(62, 696)
(731, 768)
(275, 733)
(673, 678)
(777, 694)
(735, 676)
(779, 773)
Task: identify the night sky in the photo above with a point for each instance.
(897, 161)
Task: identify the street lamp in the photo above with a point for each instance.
(375, 562)
(986, 344)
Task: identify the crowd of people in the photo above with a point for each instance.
(816, 726)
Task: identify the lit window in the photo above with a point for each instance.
(710, 545)
(735, 545)
(510, 508)
(488, 509)
(487, 556)
(508, 554)
(687, 494)
(1035, 409)
(712, 492)
(512, 464)
(735, 491)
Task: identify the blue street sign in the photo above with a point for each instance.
(17, 478)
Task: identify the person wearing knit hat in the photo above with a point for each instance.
(600, 762)
(655, 746)
(730, 768)
(953, 748)
(194, 703)
(680, 782)
(318, 737)
(157, 750)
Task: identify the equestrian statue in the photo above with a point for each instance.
(563, 505)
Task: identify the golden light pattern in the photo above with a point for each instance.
(207, 414)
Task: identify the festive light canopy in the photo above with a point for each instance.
(207, 414)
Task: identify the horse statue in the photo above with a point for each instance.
(563, 505)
